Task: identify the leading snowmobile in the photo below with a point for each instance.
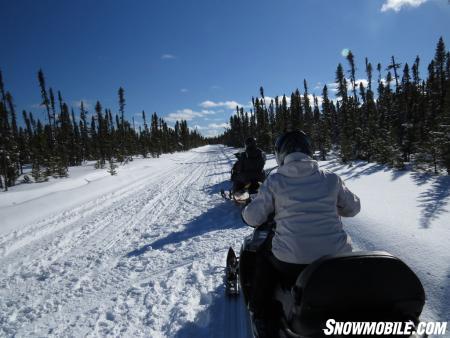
(366, 286)
(245, 193)
(247, 173)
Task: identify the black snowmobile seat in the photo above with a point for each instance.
(358, 286)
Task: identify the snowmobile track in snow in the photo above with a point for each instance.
(143, 260)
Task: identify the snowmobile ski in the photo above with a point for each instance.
(241, 197)
(232, 273)
(225, 194)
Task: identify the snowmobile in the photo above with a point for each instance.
(245, 195)
(367, 286)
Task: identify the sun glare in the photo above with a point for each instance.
(345, 52)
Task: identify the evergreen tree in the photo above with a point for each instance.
(112, 167)
(328, 127)
(444, 130)
(344, 116)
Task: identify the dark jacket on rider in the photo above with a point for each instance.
(250, 166)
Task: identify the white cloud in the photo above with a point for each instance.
(226, 104)
(268, 99)
(319, 100)
(364, 82)
(334, 87)
(168, 57)
(397, 5)
(187, 114)
(208, 112)
(212, 132)
(218, 125)
(385, 82)
(184, 90)
(183, 114)
(212, 129)
(87, 104)
(212, 119)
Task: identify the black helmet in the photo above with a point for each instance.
(250, 143)
(291, 142)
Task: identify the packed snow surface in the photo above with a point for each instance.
(143, 253)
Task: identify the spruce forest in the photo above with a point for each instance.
(397, 118)
(64, 139)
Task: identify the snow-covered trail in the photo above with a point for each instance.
(143, 253)
(143, 260)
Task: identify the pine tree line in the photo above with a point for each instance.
(64, 139)
(396, 119)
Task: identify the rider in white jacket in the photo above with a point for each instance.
(307, 204)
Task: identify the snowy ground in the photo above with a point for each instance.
(142, 253)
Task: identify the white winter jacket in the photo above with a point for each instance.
(308, 203)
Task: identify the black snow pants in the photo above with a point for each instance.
(268, 272)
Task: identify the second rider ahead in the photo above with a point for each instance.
(248, 171)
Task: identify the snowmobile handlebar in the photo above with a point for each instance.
(269, 224)
(269, 171)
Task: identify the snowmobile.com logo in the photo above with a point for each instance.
(384, 328)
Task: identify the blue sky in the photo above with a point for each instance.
(197, 59)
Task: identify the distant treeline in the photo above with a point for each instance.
(397, 119)
(65, 139)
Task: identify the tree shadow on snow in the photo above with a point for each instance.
(222, 216)
(374, 168)
(397, 173)
(332, 165)
(421, 178)
(352, 168)
(434, 200)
